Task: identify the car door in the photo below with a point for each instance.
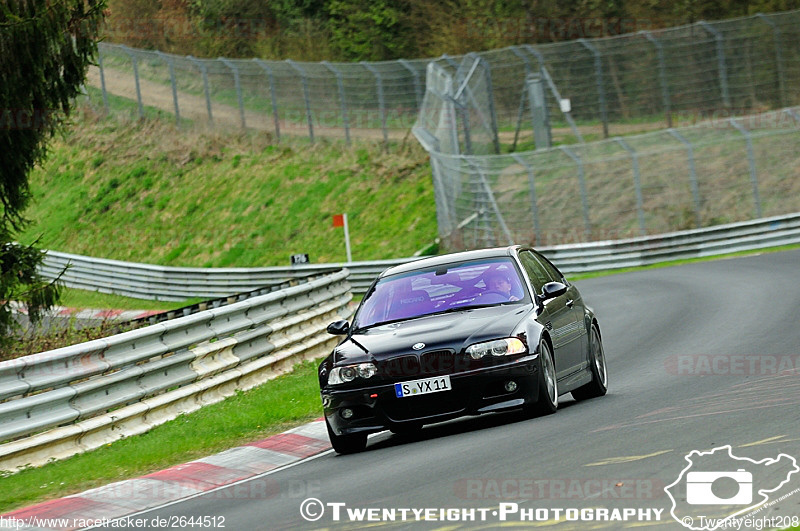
(558, 316)
(576, 336)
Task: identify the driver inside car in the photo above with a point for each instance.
(499, 282)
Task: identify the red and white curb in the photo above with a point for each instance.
(98, 315)
(135, 495)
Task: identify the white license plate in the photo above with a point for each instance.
(422, 387)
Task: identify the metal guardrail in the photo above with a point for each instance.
(93, 393)
(145, 281)
(172, 283)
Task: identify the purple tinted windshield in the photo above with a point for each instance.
(427, 291)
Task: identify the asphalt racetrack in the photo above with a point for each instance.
(699, 356)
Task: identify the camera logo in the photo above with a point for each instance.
(716, 486)
(699, 488)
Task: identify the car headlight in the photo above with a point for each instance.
(348, 373)
(498, 347)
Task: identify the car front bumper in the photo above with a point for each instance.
(376, 408)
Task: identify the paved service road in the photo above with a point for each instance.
(698, 358)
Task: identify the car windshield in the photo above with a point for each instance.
(462, 285)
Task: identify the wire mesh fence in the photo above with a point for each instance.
(717, 171)
(630, 83)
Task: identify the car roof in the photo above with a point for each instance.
(434, 261)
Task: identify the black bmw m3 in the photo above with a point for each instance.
(459, 334)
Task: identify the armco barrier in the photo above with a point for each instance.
(172, 283)
(94, 393)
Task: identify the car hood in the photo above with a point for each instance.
(453, 331)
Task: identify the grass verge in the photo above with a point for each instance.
(78, 298)
(276, 406)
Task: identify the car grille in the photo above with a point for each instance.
(433, 363)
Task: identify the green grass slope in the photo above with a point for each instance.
(146, 191)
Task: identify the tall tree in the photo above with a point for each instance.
(46, 47)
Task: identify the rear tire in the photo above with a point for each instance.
(346, 444)
(597, 364)
(547, 401)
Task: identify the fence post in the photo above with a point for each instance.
(601, 90)
(204, 72)
(582, 183)
(492, 202)
(778, 57)
(521, 110)
(662, 75)
(102, 77)
(460, 109)
(539, 115)
(417, 85)
(492, 111)
(167, 59)
(692, 174)
(342, 100)
(304, 81)
(723, 69)
(381, 102)
(265, 67)
(534, 209)
(554, 89)
(637, 184)
(751, 159)
(450, 61)
(238, 84)
(135, 77)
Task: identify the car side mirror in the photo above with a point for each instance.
(552, 290)
(338, 328)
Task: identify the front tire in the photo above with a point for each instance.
(547, 401)
(597, 362)
(346, 444)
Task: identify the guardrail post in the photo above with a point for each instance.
(304, 81)
(752, 161)
(637, 184)
(265, 67)
(601, 90)
(342, 100)
(723, 69)
(135, 77)
(582, 183)
(381, 102)
(237, 82)
(778, 57)
(692, 174)
(102, 78)
(417, 84)
(204, 71)
(172, 81)
(532, 185)
(662, 75)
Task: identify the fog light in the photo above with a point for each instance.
(347, 413)
(511, 386)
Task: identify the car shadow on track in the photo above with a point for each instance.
(458, 426)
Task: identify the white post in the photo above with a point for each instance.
(347, 239)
